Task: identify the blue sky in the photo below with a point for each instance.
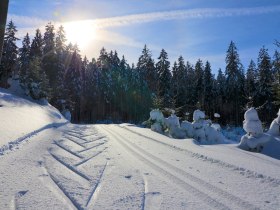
(191, 28)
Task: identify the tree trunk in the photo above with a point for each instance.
(3, 18)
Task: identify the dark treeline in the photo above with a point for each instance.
(108, 88)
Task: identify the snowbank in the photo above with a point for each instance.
(20, 117)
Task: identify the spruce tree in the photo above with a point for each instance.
(208, 89)
(36, 49)
(73, 86)
(234, 79)
(9, 57)
(147, 70)
(24, 59)
(198, 77)
(251, 79)
(265, 79)
(164, 82)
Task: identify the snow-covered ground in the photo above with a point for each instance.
(123, 166)
(20, 118)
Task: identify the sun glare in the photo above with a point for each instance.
(80, 32)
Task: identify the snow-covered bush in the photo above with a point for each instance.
(173, 125)
(156, 121)
(200, 129)
(188, 128)
(274, 128)
(255, 139)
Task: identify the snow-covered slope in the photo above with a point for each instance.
(20, 118)
(66, 166)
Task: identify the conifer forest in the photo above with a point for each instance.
(108, 88)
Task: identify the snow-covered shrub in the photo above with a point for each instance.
(156, 121)
(156, 115)
(274, 128)
(188, 128)
(216, 126)
(255, 139)
(173, 125)
(213, 136)
(157, 127)
(203, 130)
(252, 124)
(198, 115)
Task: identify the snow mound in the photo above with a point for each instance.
(21, 117)
(252, 123)
(197, 115)
(156, 115)
(251, 114)
(274, 128)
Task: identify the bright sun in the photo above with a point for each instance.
(80, 32)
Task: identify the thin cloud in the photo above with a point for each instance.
(182, 14)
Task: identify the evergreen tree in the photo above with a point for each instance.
(147, 70)
(234, 79)
(50, 62)
(179, 86)
(198, 77)
(208, 89)
(164, 82)
(276, 78)
(36, 49)
(251, 79)
(37, 82)
(24, 59)
(9, 57)
(73, 86)
(265, 79)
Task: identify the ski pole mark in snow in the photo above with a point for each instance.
(244, 171)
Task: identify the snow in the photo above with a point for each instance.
(20, 118)
(274, 128)
(217, 115)
(197, 115)
(68, 166)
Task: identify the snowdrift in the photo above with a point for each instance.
(20, 118)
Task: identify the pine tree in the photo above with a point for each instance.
(9, 57)
(164, 82)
